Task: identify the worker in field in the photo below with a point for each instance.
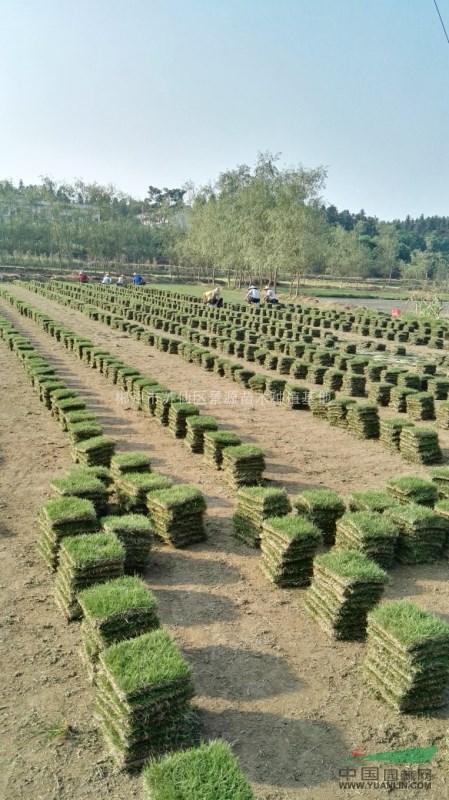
(82, 277)
(213, 297)
(253, 295)
(106, 279)
(270, 296)
(138, 280)
(121, 280)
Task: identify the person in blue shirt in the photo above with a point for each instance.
(138, 280)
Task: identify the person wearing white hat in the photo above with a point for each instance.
(107, 280)
(270, 295)
(253, 295)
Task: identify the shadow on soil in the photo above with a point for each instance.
(235, 674)
(168, 567)
(279, 751)
(187, 608)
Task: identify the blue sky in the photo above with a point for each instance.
(161, 92)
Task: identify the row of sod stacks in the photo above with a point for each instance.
(61, 517)
(177, 515)
(345, 586)
(214, 444)
(142, 702)
(133, 488)
(323, 507)
(288, 547)
(177, 418)
(363, 421)
(243, 465)
(390, 431)
(422, 533)
(81, 483)
(196, 428)
(255, 504)
(412, 489)
(83, 561)
(370, 533)
(96, 451)
(120, 609)
(136, 535)
(420, 445)
(207, 772)
(407, 656)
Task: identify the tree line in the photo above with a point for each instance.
(252, 223)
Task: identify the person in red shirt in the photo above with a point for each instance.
(82, 277)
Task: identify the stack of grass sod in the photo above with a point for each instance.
(407, 656)
(420, 405)
(370, 533)
(133, 488)
(163, 403)
(64, 406)
(93, 452)
(135, 461)
(177, 418)
(295, 396)
(142, 705)
(81, 483)
(420, 445)
(208, 772)
(337, 411)
(136, 535)
(390, 431)
(440, 477)
(253, 505)
(422, 533)
(86, 429)
(149, 395)
(442, 415)
(177, 515)
(354, 385)
(214, 444)
(196, 428)
(398, 398)
(243, 465)
(120, 609)
(380, 393)
(319, 401)
(323, 507)
(274, 389)
(257, 383)
(61, 517)
(288, 547)
(345, 587)
(85, 560)
(412, 489)
(372, 500)
(363, 421)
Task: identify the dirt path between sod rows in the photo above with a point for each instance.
(291, 702)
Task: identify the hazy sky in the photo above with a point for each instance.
(140, 92)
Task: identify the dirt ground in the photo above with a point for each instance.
(291, 702)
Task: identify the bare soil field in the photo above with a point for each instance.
(291, 702)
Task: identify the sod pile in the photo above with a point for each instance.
(83, 561)
(420, 445)
(420, 405)
(208, 772)
(363, 421)
(438, 387)
(368, 532)
(412, 489)
(422, 533)
(96, 451)
(177, 418)
(214, 444)
(407, 656)
(398, 399)
(136, 535)
(143, 691)
(177, 515)
(79, 483)
(440, 477)
(257, 383)
(120, 609)
(323, 507)
(243, 465)
(390, 431)
(344, 588)
(65, 516)
(354, 385)
(288, 547)
(371, 500)
(163, 403)
(295, 396)
(123, 463)
(337, 411)
(133, 487)
(253, 505)
(196, 428)
(319, 401)
(380, 393)
(442, 415)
